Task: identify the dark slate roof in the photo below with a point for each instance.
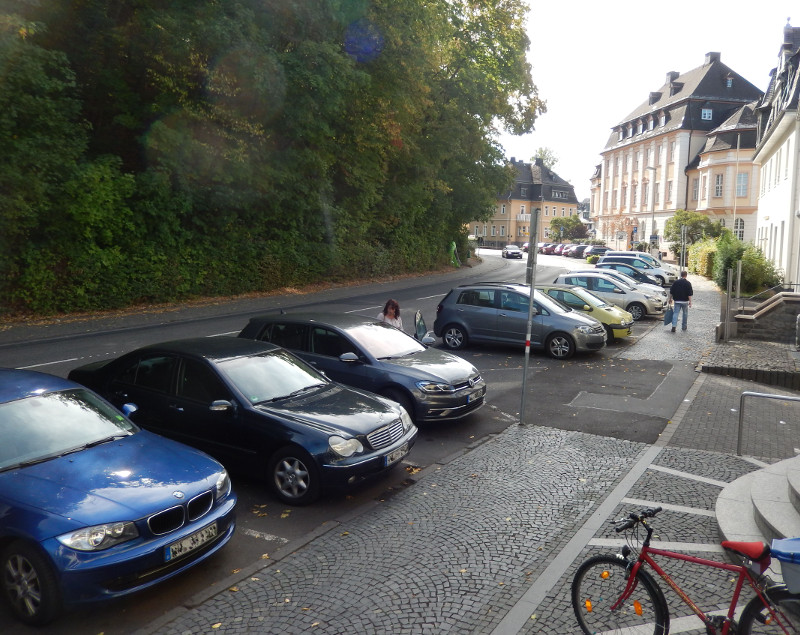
(683, 96)
(783, 93)
(539, 182)
(739, 127)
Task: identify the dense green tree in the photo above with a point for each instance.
(232, 147)
(567, 228)
(698, 227)
(547, 156)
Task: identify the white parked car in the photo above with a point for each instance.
(644, 287)
(664, 276)
(637, 303)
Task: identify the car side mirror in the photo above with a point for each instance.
(534, 311)
(586, 307)
(348, 357)
(129, 408)
(222, 405)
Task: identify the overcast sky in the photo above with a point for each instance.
(595, 62)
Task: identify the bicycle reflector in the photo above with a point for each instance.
(606, 574)
(637, 606)
(588, 604)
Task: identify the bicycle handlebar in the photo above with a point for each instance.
(634, 518)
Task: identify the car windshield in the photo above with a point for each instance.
(271, 376)
(590, 298)
(43, 427)
(383, 341)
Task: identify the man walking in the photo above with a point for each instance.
(681, 294)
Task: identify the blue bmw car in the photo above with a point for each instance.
(93, 507)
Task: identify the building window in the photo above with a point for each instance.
(636, 156)
(669, 191)
(706, 114)
(742, 183)
(650, 123)
(658, 155)
(634, 193)
(695, 189)
(717, 185)
(729, 82)
(521, 209)
(656, 194)
(640, 128)
(502, 209)
(625, 163)
(738, 228)
(546, 210)
(645, 194)
(523, 191)
(477, 230)
(562, 211)
(494, 230)
(624, 196)
(647, 156)
(557, 194)
(671, 151)
(704, 187)
(663, 120)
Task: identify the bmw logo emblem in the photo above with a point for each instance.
(177, 494)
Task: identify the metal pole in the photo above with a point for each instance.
(738, 281)
(728, 304)
(530, 278)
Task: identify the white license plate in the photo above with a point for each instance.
(395, 455)
(475, 395)
(190, 543)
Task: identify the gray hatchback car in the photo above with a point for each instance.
(497, 312)
(432, 385)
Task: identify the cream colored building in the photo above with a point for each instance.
(646, 171)
(535, 186)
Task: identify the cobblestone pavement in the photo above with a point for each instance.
(488, 542)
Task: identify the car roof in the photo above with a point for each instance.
(212, 347)
(338, 320)
(20, 384)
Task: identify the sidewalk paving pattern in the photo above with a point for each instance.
(487, 542)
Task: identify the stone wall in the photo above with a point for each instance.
(774, 320)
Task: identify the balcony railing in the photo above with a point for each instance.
(524, 218)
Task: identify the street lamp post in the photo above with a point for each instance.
(652, 193)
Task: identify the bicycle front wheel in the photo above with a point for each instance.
(596, 587)
(785, 617)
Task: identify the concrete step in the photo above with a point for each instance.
(762, 505)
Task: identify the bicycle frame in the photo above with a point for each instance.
(646, 556)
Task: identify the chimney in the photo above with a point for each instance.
(712, 57)
(672, 76)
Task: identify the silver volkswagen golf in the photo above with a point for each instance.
(497, 312)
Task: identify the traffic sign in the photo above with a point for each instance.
(635, 230)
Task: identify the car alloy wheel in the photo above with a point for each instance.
(454, 337)
(636, 310)
(293, 476)
(560, 346)
(29, 584)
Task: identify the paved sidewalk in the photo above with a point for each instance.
(487, 542)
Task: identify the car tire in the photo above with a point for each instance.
(661, 280)
(403, 399)
(454, 337)
(293, 476)
(29, 584)
(610, 334)
(636, 310)
(560, 346)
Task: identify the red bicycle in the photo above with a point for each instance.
(615, 594)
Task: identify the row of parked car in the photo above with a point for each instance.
(98, 503)
(572, 250)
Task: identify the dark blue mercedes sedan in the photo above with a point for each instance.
(93, 507)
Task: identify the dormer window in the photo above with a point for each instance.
(640, 128)
(650, 123)
(706, 114)
(523, 191)
(663, 119)
(729, 81)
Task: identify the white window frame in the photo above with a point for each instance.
(718, 182)
(738, 228)
(742, 183)
(706, 114)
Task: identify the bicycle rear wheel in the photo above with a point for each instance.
(756, 618)
(598, 584)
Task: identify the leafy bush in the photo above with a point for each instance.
(758, 273)
(592, 260)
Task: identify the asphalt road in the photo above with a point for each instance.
(626, 399)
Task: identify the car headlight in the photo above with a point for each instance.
(405, 418)
(345, 447)
(432, 386)
(223, 485)
(652, 298)
(586, 330)
(99, 537)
